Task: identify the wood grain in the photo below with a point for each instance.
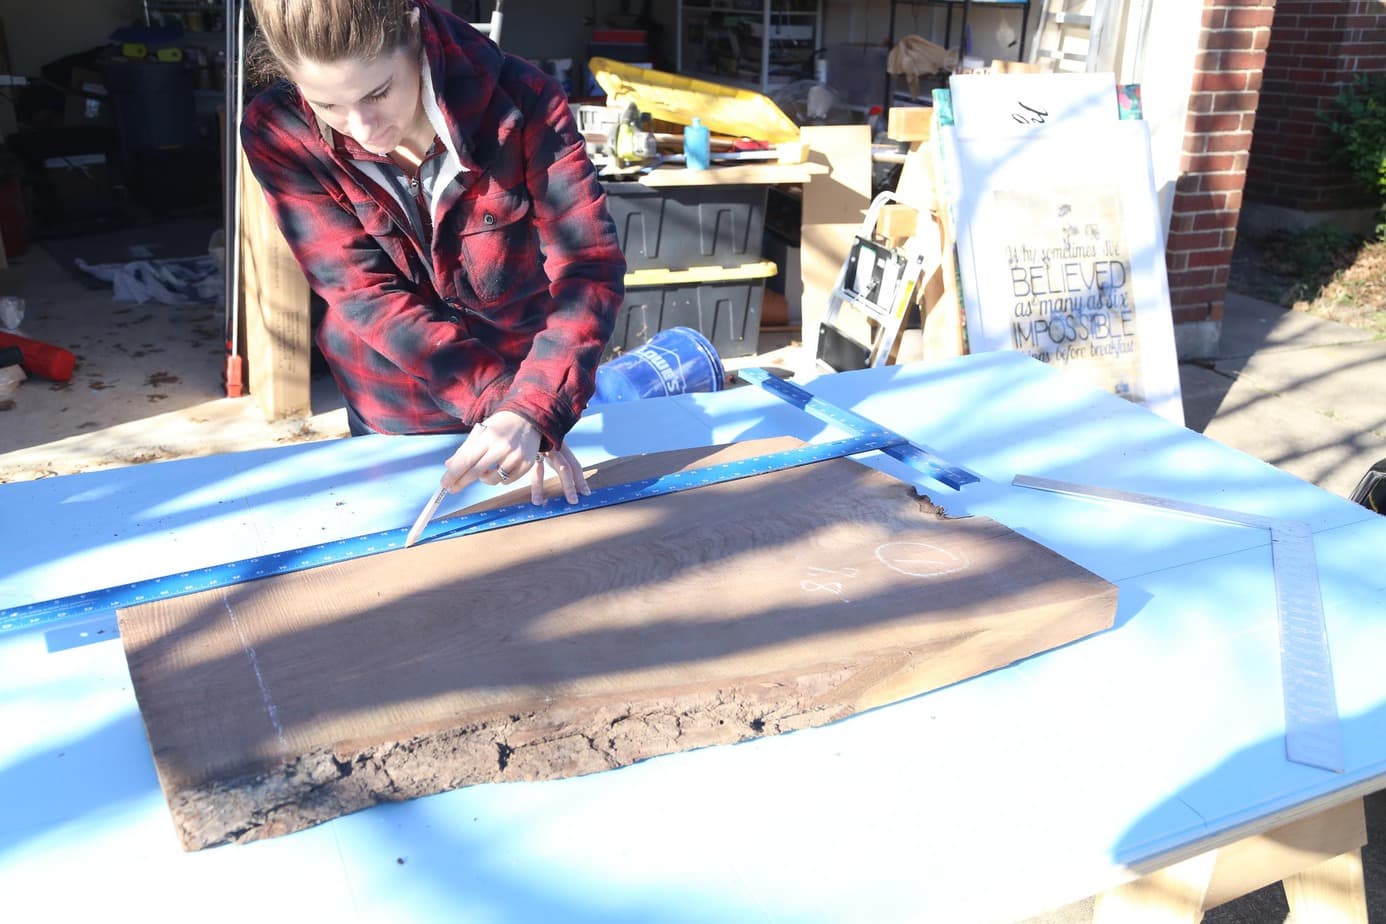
(582, 643)
(909, 123)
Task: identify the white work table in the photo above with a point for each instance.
(1062, 776)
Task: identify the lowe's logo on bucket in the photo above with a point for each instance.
(659, 361)
(676, 361)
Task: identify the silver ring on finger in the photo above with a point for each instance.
(504, 476)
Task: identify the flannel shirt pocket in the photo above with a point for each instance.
(380, 225)
(499, 245)
(375, 221)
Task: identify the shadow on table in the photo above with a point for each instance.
(69, 783)
(1261, 775)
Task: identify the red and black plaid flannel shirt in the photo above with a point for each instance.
(511, 305)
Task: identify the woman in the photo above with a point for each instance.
(438, 196)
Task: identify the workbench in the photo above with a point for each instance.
(1152, 750)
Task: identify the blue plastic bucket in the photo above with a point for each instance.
(676, 361)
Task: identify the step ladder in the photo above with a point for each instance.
(877, 286)
(1072, 34)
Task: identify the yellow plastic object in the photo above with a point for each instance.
(725, 110)
(660, 276)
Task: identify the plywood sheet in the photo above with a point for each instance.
(582, 643)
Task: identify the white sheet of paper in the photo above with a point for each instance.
(1009, 104)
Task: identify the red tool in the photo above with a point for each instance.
(42, 359)
(235, 371)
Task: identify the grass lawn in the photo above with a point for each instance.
(1322, 271)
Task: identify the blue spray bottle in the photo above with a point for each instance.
(697, 151)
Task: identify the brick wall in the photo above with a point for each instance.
(1217, 145)
(1316, 47)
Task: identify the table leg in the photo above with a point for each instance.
(1175, 893)
(1332, 891)
(1318, 858)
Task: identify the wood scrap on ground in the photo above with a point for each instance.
(583, 643)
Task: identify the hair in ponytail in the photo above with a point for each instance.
(290, 31)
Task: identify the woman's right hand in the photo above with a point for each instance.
(502, 448)
(497, 451)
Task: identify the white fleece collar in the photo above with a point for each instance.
(452, 164)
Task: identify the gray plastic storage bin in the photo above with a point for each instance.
(726, 313)
(682, 226)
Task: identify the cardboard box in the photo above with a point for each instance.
(79, 179)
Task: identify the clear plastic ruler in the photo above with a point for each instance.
(1313, 735)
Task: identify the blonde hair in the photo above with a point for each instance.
(290, 31)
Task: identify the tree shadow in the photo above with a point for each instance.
(72, 780)
(1285, 265)
(1282, 419)
(1262, 777)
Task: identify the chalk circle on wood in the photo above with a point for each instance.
(920, 559)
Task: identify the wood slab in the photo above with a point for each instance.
(582, 643)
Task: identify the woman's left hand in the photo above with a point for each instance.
(571, 479)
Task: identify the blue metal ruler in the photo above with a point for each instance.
(1313, 735)
(866, 437)
(920, 458)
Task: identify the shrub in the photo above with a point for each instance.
(1357, 120)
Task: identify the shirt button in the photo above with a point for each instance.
(489, 219)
